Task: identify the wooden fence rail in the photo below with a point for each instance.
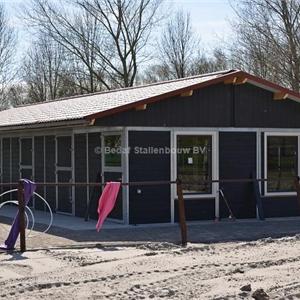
(178, 182)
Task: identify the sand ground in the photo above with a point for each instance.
(152, 270)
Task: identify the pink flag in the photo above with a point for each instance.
(107, 202)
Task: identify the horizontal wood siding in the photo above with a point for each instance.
(94, 147)
(80, 174)
(50, 170)
(207, 107)
(255, 107)
(152, 205)
(237, 159)
(197, 209)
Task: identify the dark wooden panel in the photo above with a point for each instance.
(27, 174)
(64, 151)
(94, 149)
(39, 165)
(280, 207)
(15, 160)
(149, 204)
(237, 159)
(80, 174)
(210, 106)
(50, 170)
(197, 209)
(117, 212)
(262, 140)
(1, 166)
(219, 105)
(255, 107)
(6, 165)
(64, 192)
(26, 151)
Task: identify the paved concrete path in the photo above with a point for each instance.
(200, 232)
(76, 230)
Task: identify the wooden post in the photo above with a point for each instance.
(21, 206)
(181, 212)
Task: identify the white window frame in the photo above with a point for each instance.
(108, 168)
(266, 135)
(214, 156)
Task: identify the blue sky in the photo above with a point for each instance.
(210, 18)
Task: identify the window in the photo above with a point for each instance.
(194, 163)
(112, 150)
(282, 163)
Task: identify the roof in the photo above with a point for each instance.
(90, 106)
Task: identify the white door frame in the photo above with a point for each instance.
(215, 169)
(115, 169)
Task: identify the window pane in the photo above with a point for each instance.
(282, 162)
(112, 151)
(194, 163)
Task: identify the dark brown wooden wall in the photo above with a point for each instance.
(39, 171)
(149, 204)
(80, 174)
(214, 106)
(50, 170)
(95, 170)
(255, 107)
(207, 107)
(6, 165)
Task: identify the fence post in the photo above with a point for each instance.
(21, 205)
(181, 212)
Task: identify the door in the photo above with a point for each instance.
(112, 167)
(64, 174)
(26, 161)
(149, 204)
(237, 160)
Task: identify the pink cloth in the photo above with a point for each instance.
(107, 202)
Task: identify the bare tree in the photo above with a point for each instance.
(77, 32)
(44, 68)
(127, 25)
(156, 73)
(199, 64)
(178, 45)
(268, 39)
(7, 52)
(202, 63)
(109, 43)
(16, 93)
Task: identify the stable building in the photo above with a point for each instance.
(223, 125)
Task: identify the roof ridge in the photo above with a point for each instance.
(128, 88)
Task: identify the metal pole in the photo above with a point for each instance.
(181, 212)
(21, 202)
